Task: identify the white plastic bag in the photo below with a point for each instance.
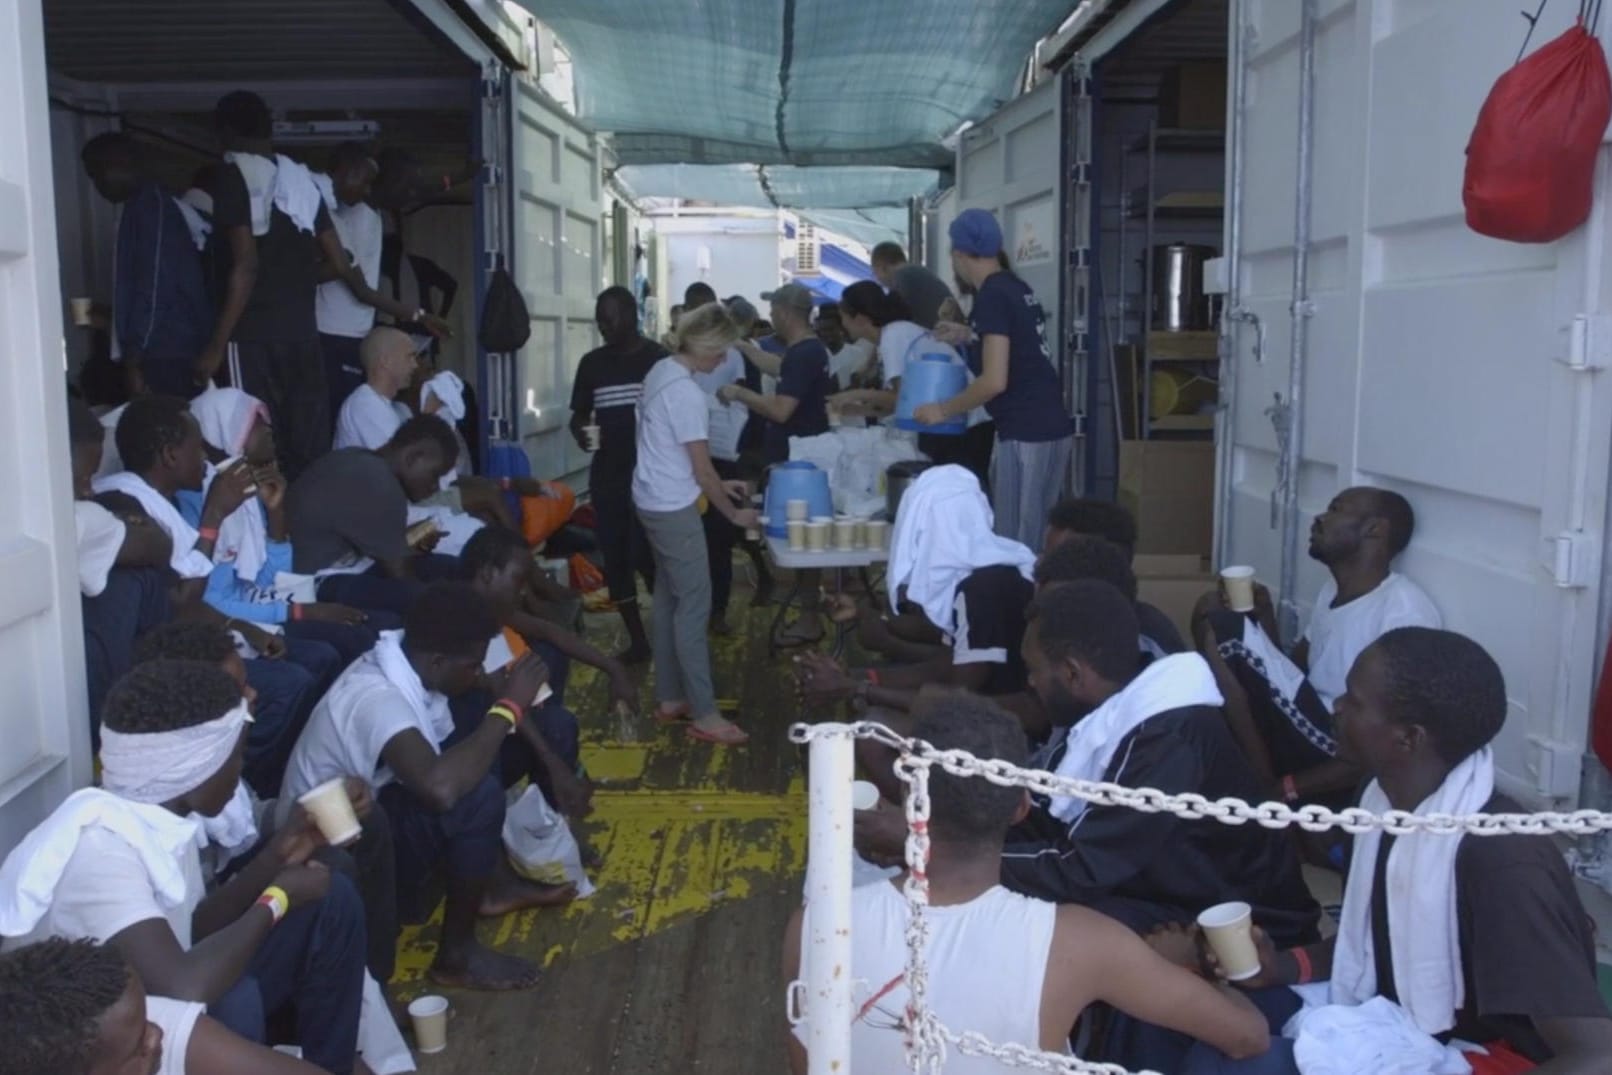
(540, 845)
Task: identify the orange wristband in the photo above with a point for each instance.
(208, 533)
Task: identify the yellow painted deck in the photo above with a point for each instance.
(672, 966)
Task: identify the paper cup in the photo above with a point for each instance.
(1239, 584)
(864, 796)
(817, 533)
(861, 538)
(845, 532)
(878, 534)
(754, 533)
(797, 510)
(82, 311)
(430, 1016)
(1230, 930)
(332, 811)
(591, 433)
(797, 534)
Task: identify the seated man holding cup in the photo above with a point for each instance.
(1513, 968)
(1017, 969)
(1279, 704)
(388, 720)
(122, 863)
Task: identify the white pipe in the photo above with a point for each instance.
(831, 769)
(1293, 449)
(1232, 313)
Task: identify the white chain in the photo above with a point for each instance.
(928, 1040)
(1191, 806)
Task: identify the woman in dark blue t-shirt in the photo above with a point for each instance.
(1015, 381)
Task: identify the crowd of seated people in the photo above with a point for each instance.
(1054, 920)
(290, 579)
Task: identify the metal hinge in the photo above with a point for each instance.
(1558, 767)
(1572, 560)
(1589, 343)
(1080, 424)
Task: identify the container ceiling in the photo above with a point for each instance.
(124, 41)
(804, 82)
(781, 186)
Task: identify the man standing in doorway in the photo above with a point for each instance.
(161, 313)
(922, 290)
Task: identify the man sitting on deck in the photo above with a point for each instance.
(1016, 969)
(1513, 968)
(1280, 704)
(122, 863)
(971, 584)
(1157, 728)
(371, 415)
(78, 1008)
(388, 720)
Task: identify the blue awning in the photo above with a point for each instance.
(822, 288)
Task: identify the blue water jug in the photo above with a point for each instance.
(797, 480)
(931, 379)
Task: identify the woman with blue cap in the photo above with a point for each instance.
(1015, 381)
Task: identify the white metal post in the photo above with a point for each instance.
(832, 767)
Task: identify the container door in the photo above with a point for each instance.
(44, 721)
(1453, 368)
(1011, 164)
(557, 257)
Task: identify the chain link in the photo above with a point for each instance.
(928, 1040)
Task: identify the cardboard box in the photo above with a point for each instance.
(1169, 486)
(1192, 97)
(1173, 585)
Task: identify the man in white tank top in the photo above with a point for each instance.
(1015, 969)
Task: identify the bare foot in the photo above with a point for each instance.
(482, 968)
(506, 893)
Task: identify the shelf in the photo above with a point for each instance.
(1180, 141)
(1183, 423)
(1178, 212)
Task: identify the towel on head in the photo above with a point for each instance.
(449, 391)
(943, 535)
(158, 767)
(1423, 932)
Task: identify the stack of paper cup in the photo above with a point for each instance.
(1239, 584)
(861, 541)
(878, 534)
(817, 534)
(797, 534)
(844, 532)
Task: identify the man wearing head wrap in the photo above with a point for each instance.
(122, 863)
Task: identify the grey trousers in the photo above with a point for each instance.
(1027, 479)
(682, 609)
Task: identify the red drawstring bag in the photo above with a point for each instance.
(1530, 167)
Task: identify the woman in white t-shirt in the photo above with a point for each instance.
(673, 473)
(871, 313)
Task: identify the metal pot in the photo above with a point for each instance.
(897, 477)
(1179, 302)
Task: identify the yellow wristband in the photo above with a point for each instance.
(507, 714)
(275, 899)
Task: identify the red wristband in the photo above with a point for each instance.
(873, 676)
(296, 611)
(513, 705)
(1306, 969)
(208, 533)
(1290, 788)
(506, 484)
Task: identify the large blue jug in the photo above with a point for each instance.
(932, 379)
(797, 480)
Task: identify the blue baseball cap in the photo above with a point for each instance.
(975, 232)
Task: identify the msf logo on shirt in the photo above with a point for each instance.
(1040, 316)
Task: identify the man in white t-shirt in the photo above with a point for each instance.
(122, 864)
(371, 415)
(387, 720)
(1280, 703)
(344, 318)
(77, 1008)
(1015, 969)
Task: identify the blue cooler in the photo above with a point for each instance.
(931, 379)
(798, 480)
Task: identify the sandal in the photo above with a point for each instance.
(730, 736)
